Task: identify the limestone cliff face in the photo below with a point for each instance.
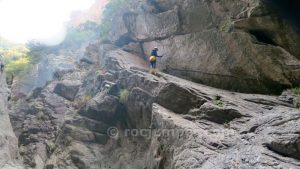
(160, 122)
(163, 121)
(247, 46)
(9, 157)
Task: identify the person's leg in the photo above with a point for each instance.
(154, 65)
(154, 68)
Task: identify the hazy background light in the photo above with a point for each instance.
(43, 20)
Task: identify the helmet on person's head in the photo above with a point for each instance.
(155, 48)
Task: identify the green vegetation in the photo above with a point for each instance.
(218, 102)
(123, 94)
(16, 58)
(227, 124)
(297, 105)
(36, 51)
(17, 66)
(100, 72)
(19, 59)
(296, 90)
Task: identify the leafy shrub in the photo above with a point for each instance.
(19, 59)
(227, 124)
(297, 105)
(36, 51)
(18, 66)
(218, 102)
(14, 52)
(296, 90)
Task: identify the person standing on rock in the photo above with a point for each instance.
(153, 58)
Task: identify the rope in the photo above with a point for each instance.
(208, 73)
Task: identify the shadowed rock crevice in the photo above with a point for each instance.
(157, 8)
(289, 9)
(179, 99)
(124, 40)
(263, 36)
(288, 146)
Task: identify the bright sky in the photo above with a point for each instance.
(23, 20)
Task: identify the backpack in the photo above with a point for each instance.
(152, 58)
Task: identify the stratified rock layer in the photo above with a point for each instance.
(245, 46)
(120, 116)
(125, 117)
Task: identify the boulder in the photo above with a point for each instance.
(155, 26)
(287, 145)
(139, 26)
(118, 30)
(282, 135)
(179, 99)
(217, 113)
(67, 89)
(102, 108)
(84, 135)
(92, 125)
(290, 97)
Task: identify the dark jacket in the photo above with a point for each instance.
(154, 53)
